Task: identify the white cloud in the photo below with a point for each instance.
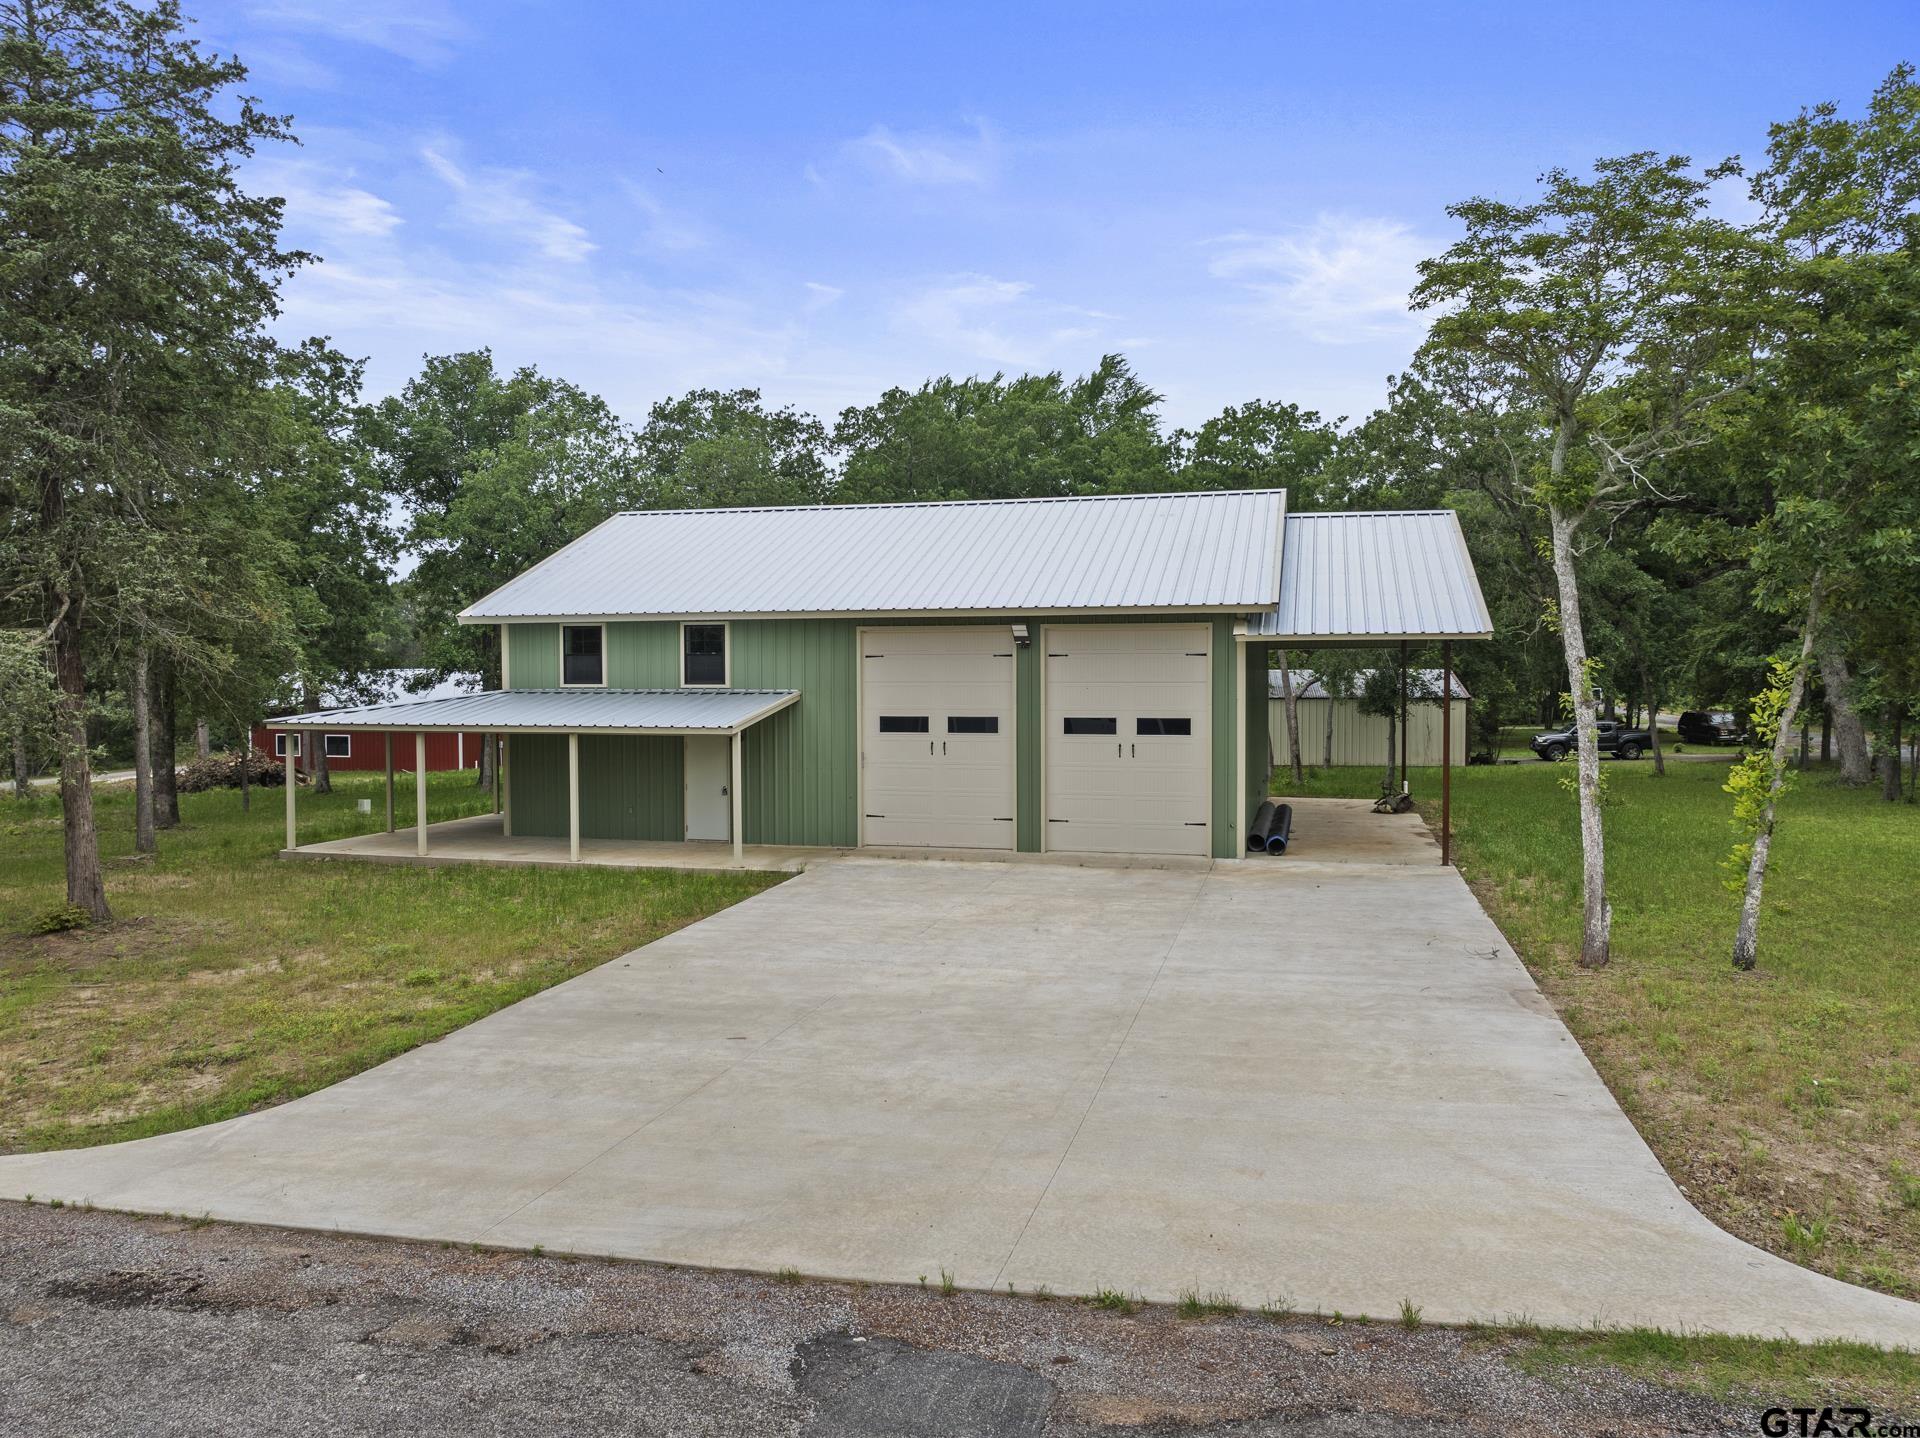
(820, 296)
(496, 201)
(323, 204)
(1339, 280)
(928, 159)
(983, 318)
(667, 229)
(423, 31)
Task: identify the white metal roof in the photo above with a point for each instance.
(622, 711)
(1421, 684)
(1198, 551)
(1376, 575)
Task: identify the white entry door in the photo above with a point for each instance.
(936, 737)
(1127, 756)
(708, 767)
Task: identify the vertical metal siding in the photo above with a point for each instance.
(631, 786)
(533, 656)
(800, 783)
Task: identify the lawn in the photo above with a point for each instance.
(230, 980)
(1785, 1102)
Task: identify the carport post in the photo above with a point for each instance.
(506, 787)
(292, 770)
(1403, 716)
(733, 796)
(1446, 752)
(420, 792)
(389, 781)
(573, 797)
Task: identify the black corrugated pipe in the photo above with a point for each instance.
(1282, 830)
(1262, 823)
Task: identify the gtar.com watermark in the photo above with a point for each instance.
(1831, 1423)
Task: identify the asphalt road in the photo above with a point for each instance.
(118, 1325)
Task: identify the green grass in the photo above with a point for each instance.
(230, 980)
(1767, 1370)
(1791, 1093)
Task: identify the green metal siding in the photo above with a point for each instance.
(631, 786)
(801, 766)
(533, 656)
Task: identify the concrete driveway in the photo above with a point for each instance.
(1327, 1085)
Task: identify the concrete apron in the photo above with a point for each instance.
(1328, 1086)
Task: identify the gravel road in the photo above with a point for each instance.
(117, 1325)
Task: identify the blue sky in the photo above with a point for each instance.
(820, 201)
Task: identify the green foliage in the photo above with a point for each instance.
(1754, 781)
(59, 919)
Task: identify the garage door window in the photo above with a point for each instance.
(1145, 727)
(973, 723)
(903, 723)
(1074, 725)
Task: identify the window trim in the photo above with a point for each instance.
(326, 746)
(280, 743)
(562, 640)
(726, 652)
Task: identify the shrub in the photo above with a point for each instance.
(61, 918)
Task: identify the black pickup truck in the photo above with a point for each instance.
(1615, 738)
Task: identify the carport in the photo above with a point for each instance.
(654, 713)
(1374, 580)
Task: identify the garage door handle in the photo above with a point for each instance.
(1133, 751)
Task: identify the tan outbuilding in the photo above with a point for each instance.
(1361, 739)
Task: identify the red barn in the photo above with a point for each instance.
(363, 750)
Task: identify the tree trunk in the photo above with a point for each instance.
(313, 752)
(1596, 917)
(202, 739)
(1386, 787)
(1653, 731)
(485, 766)
(1826, 733)
(85, 887)
(1746, 940)
(1849, 730)
(1291, 704)
(166, 740)
(22, 776)
(1890, 765)
(246, 769)
(140, 692)
(1326, 747)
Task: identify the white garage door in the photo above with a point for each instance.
(936, 737)
(1127, 725)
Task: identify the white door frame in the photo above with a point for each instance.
(1046, 731)
(731, 808)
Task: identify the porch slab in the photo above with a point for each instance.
(479, 839)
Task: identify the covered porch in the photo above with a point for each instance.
(482, 839)
(657, 716)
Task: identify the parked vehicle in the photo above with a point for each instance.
(1711, 726)
(1614, 738)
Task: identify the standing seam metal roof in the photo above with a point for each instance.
(1205, 550)
(1382, 575)
(719, 710)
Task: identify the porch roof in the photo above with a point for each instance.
(535, 711)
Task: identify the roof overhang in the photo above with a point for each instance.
(561, 711)
(1368, 579)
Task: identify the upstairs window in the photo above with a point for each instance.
(583, 655)
(703, 655)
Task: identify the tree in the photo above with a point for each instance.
(328, 506)
(710, 450)
(1262, 445)
(1604, 310)
(138, 279)
(492, 473)
(1037, 435)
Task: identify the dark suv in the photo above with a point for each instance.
(1711, 726)
(1614, 738)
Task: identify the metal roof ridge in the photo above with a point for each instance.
(830, 507)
